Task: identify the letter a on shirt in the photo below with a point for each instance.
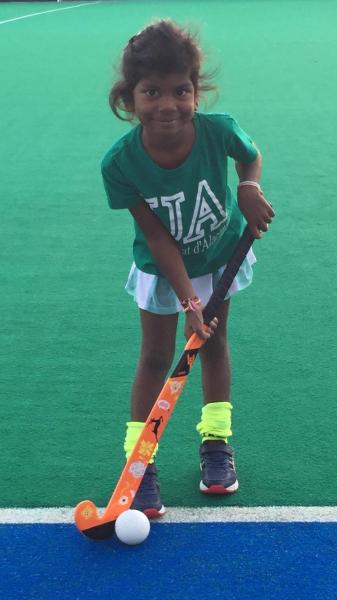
(207, 208)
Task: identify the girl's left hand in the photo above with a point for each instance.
(256, 209)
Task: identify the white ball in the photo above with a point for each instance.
(132, 527)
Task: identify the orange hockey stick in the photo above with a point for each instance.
(87, 519)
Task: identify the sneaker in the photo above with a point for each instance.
(217, 468)
(147, 498)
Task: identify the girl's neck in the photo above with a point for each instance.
(170, 152)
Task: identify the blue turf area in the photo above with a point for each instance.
(177, 562)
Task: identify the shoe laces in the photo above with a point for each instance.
(219, 459)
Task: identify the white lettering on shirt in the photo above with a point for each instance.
(173, 205)
(208, 209)
(152, 202)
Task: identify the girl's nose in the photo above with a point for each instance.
(167, 103)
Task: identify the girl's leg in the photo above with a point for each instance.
(157, 352)
(214, 355)
(216, 455)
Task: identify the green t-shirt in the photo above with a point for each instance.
(193, 201)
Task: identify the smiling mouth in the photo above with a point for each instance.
(166, 118)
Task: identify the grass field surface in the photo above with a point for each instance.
(70, 334)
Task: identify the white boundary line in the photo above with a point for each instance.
(258, 514)
(44, 12)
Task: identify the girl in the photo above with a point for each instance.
(170, 172)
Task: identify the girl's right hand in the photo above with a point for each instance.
(194, 323)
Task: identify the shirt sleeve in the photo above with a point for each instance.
(119, 190)
(238, 143)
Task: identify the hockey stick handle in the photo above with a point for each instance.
(218, 296)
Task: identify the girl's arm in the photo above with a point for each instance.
(168, 258)
(252, 203)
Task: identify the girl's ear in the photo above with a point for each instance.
(196, 99)
(130, 109)
(128, 101)
(129, 105)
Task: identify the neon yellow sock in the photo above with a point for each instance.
(133, 431)
(216, 421)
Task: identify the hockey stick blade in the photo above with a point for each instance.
(87, 519)
(86, 513)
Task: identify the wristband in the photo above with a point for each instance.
(250, 183)
(191, 304)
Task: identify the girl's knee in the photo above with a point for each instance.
(158, 341)
(157, 362)
(217, 346)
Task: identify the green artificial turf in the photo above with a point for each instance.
(70, 334)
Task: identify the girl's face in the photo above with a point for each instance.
(164, 104)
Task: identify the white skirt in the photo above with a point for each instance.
(154, 294)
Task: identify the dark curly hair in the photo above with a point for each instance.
(163, 47)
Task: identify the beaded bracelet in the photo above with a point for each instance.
(191, 304)
(250, 183)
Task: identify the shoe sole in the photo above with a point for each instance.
(219, 489)
(153, 513)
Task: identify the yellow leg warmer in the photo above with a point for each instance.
(133, 431)
(216, 421)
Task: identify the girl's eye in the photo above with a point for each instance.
(181, 92)
(151, 92)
